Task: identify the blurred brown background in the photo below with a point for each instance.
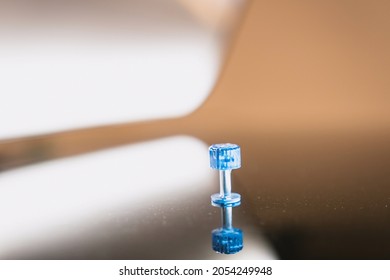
(305, 92)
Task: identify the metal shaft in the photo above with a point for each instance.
(227, 217)
(225, 183)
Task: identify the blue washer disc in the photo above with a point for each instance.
(233, 200)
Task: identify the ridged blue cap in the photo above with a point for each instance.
(225, 156)
(227, 241)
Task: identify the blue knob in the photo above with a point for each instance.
(225, 156)
(227, 241)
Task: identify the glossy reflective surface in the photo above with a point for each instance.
(115, 204)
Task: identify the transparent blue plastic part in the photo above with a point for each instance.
(225, 157)
(227, 241)
(232, 200)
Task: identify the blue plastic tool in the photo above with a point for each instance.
(225, 158)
